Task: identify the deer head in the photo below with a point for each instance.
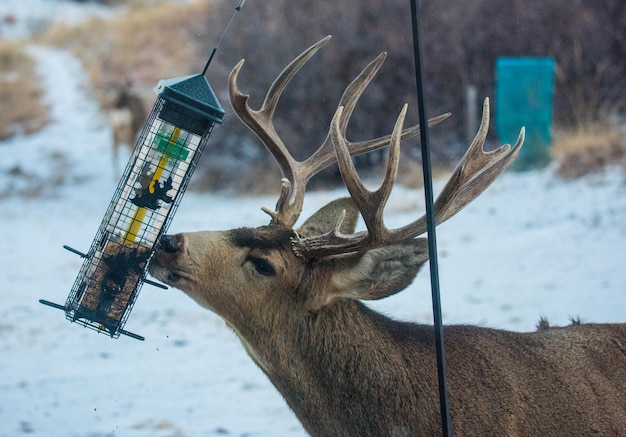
(216, 268)
(274, 283)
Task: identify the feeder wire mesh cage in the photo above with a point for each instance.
(143, 205)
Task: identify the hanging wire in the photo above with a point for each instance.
(240, 4)
(430, 220)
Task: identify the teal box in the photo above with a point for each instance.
(524, 95)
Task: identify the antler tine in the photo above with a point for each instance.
(371, 204)
(261, 123)
(472, 176)
(325, 155)
(476, 171)
(356, 148)
(283, 79)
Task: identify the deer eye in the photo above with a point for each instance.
(262, 266)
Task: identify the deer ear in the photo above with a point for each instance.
(326, 218)
(375, 274)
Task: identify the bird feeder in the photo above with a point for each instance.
(143, 205)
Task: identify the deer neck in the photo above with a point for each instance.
(327, 379)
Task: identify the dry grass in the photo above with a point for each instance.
(21, 109)
(140, 47)
(588, 150)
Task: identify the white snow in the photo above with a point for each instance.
(531, 246)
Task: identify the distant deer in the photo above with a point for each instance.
(293, 299)
(127, 116)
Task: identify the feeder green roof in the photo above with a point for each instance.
(194, 93)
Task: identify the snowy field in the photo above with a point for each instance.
(531, 246)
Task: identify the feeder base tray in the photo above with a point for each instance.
(82, 317)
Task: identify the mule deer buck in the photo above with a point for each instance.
(293, 297)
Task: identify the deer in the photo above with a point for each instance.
(295, 300)
(126, 116)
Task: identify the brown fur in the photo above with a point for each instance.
(346, 370)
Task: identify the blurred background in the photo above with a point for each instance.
(126, 46)
(76, 80)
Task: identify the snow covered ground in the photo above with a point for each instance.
(531, 246)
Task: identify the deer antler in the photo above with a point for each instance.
(296, 174)
(476, 171)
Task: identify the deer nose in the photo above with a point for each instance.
(170, 243)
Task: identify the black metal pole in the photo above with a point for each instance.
(430, 219)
